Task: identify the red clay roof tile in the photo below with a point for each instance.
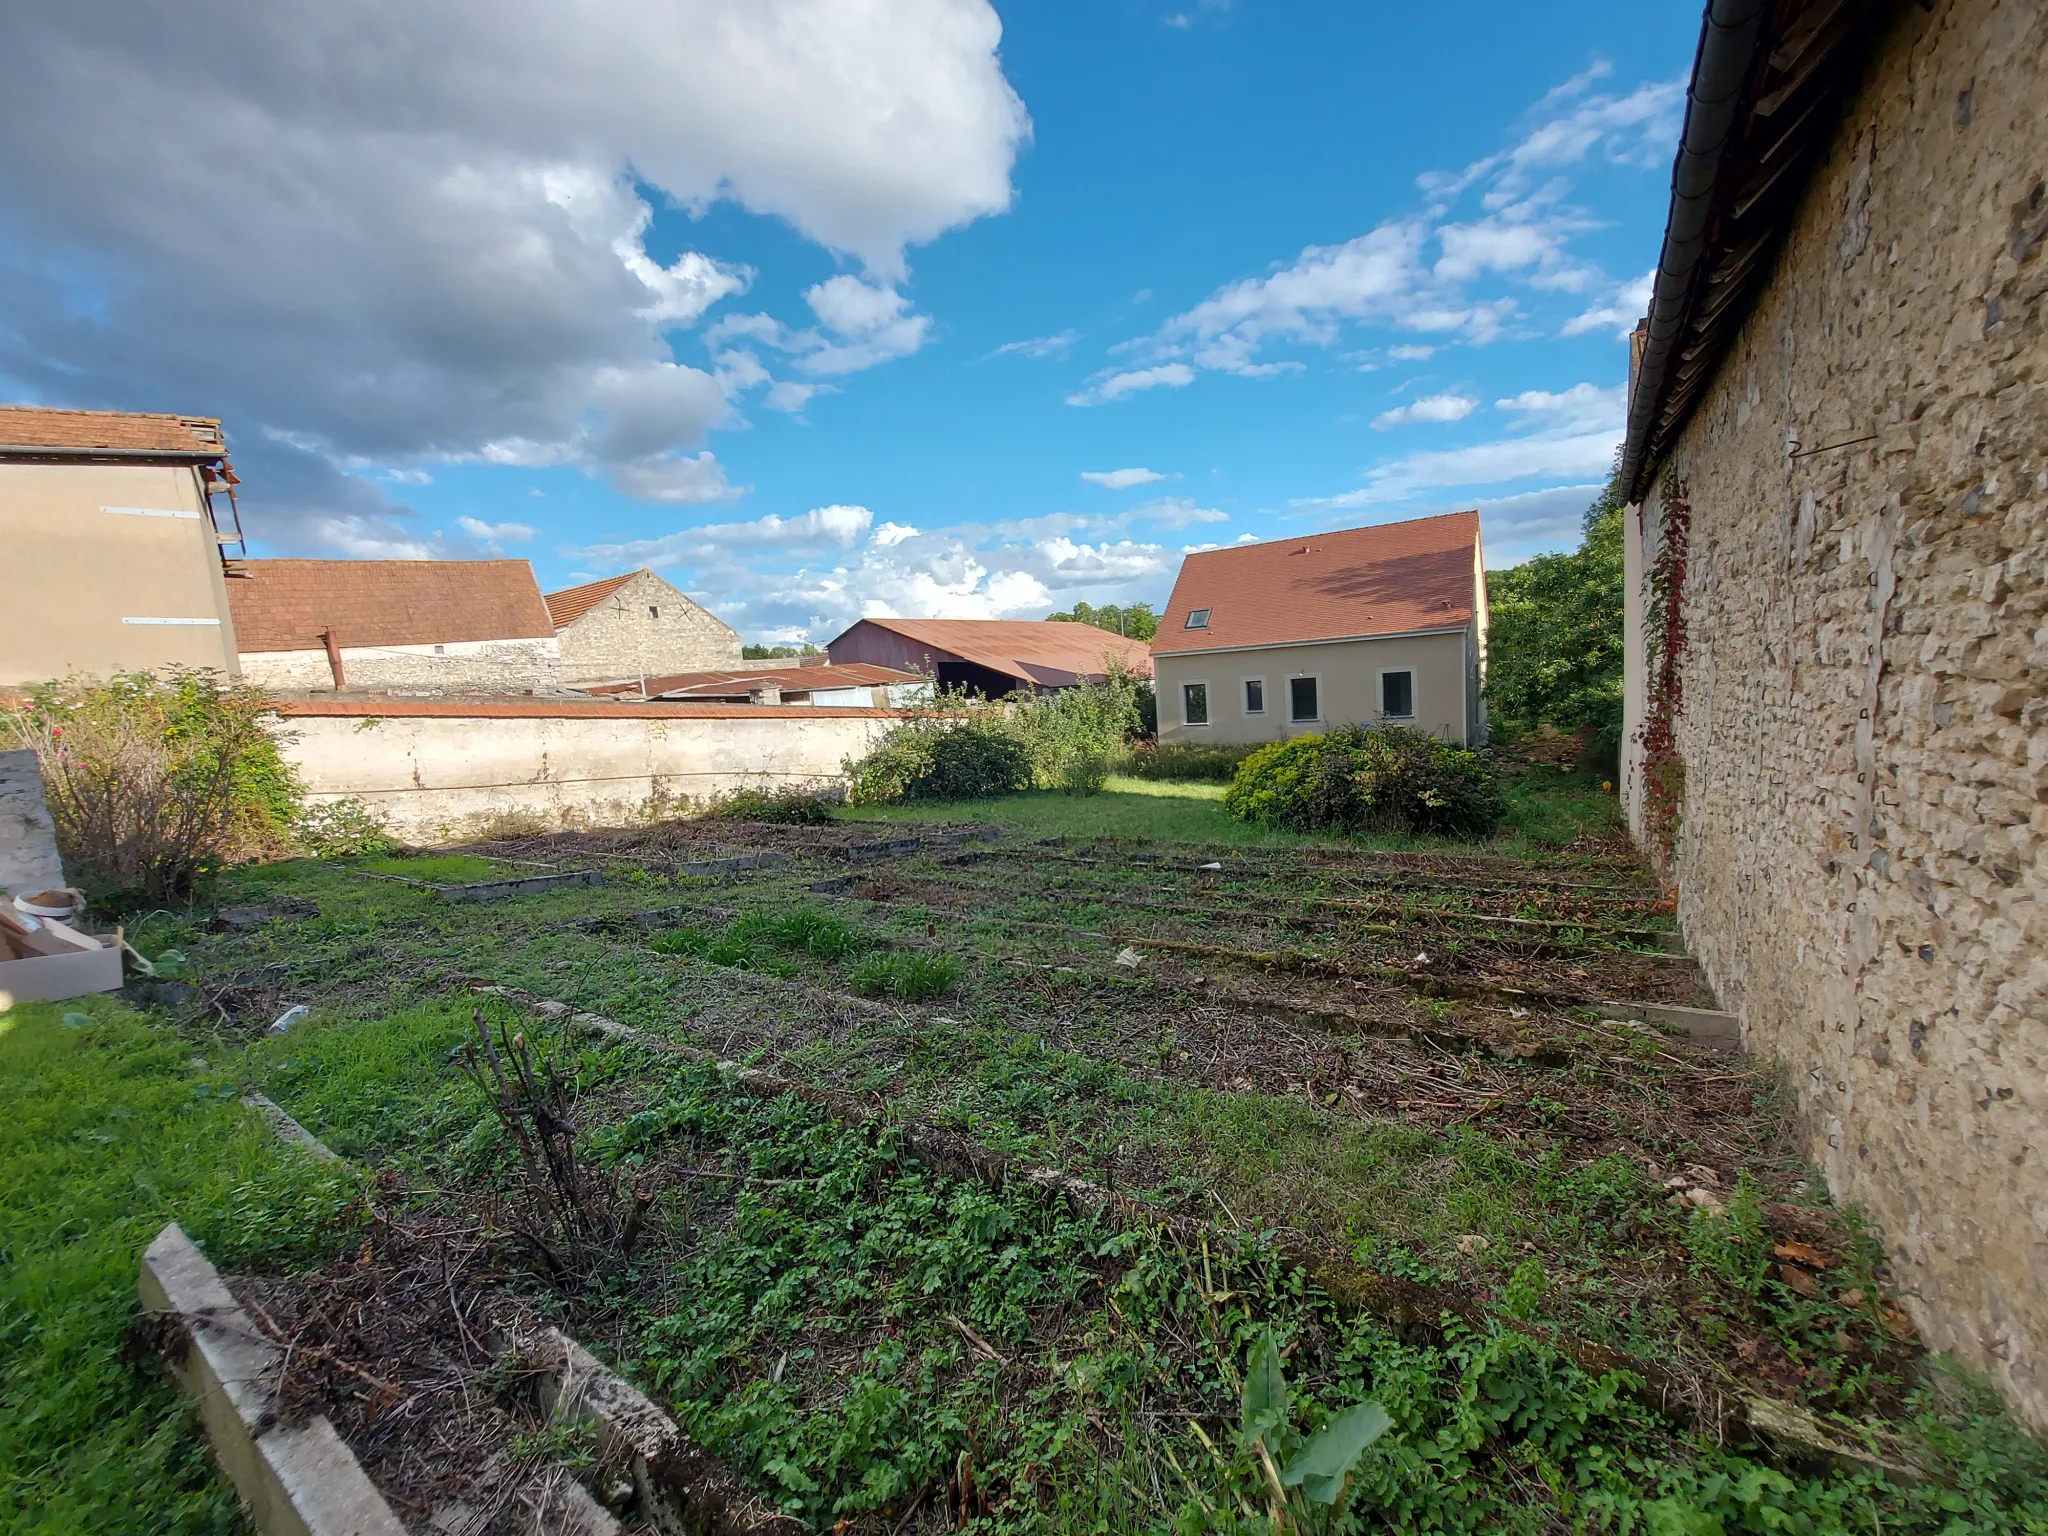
(571, 603)
(36, 426)
(1389, 580)
(1034, 650)
(285, 605)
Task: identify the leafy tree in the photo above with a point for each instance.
(777, 652)
(1554, 646)
(1136, 622)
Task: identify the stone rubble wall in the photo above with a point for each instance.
(464, 666)
(620, 637)
(1865, 727)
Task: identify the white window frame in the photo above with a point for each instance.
(1380, 694)
(1244, 683)
(1305, 677)
(1209, 703)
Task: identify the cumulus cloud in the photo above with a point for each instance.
(1502, 223)
(1121, 479)
(1176, 512)
(1430, 408)
(1115, 386)
(493, 537)
(1620, 310)
(401, 233)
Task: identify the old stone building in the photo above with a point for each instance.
(625, 628)
(1838, 743)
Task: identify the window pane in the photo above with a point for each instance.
(1194, 699)
(1397, 693)
(1301, 693)
(1255, 696)
(1198, 618)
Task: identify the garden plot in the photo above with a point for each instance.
(1564, 1253)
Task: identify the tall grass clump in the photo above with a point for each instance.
(953, 748)
(157, 779)
(1183, 762)
(1368, 778)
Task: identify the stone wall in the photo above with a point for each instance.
(439, 772)
(646, 629)
(28, 842)
(460, 666)
(1865, 727)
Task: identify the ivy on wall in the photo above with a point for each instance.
(1663, 767)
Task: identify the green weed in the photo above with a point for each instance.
(905, 975)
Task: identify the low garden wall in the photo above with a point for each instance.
(440, 770)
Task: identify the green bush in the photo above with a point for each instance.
(787, 806)
(1072, 734)
(342, 829)
(970, 756)
(1379, 778)
(1185, 763)
(156, 780)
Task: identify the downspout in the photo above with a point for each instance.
(334, 659)
(1728, 42)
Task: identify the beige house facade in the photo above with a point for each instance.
(634, 626)
(1837, 735)
(111, 543)
(1362, 626)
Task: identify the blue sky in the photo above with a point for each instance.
(824, 310)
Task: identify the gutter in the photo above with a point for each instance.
(1288, 645)
(18, 451)
(1729, 34)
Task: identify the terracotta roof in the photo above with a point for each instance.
(792, 679)
(284, 605)
(34, 428)
(571, 603)
(1389, 580)
(500, 708)
(1033, 650)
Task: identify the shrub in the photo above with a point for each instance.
(1367, 779)
(341, 829)
(970, 756)
(1193, 763)
(1072, 735)
(155, 780)
(787, 806)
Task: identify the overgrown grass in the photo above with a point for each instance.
(1546, 811)
(906, 976)
(107, 1132)
(443, 868)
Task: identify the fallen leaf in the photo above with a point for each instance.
(1796, 1279)
(1802, 1253)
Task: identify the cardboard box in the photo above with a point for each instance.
(49, 961)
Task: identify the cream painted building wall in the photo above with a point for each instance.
(437, 774)
(111, 567)
(1444, 664)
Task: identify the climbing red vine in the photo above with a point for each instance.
(1663, 768)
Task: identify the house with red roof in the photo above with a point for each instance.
(1361, 626)
(635, 626)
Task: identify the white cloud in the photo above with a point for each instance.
(1517, 458)
(1056, 345)
(403, 230)
(1621, 309)
(1121, 479)
(886, 534)
(1130, 382)
(1411, 354)
(819, 528)
(860, 323)
(1417, 271)
(1580, 407)
(494, 536)
(792, 397)
(1176, 512)
(1430, 408)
